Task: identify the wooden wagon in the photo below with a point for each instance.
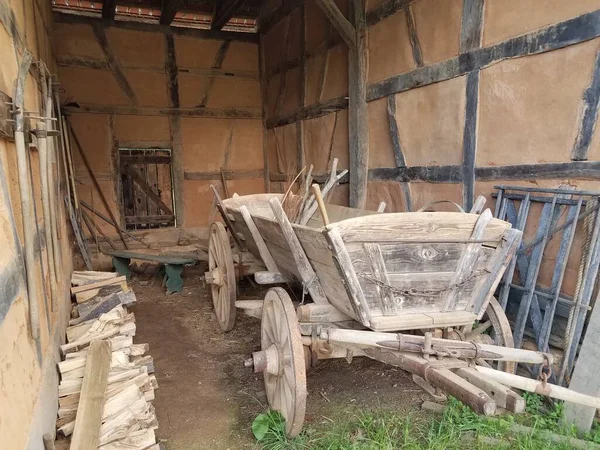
(371, 276)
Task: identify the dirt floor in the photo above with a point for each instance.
(207, 399)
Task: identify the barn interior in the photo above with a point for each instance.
(121, 118)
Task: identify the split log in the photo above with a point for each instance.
(79, 278)
(137, 440)
(98, 284)
(86, 429)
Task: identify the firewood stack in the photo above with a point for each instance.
(107, 383)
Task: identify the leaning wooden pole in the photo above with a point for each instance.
(95, 181)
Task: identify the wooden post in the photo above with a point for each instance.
(358, 125)
(585, 377)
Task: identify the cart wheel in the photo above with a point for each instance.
(282, 359)
(221, 276)
(495, 321)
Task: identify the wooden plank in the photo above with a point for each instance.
(421, 321)
(265, 255)
(591, 99)
(349, 278)
(428, 227)
(144, 159)
(98, 284)
(309, 278)
(379, 272)
(504, 397)
(470, 138)
(358, 121)
(142, 220)
(466, 265)
(196, 111)
(585, 377)
(337, 19)
(554, 37)
(224, 11)
(91, 402)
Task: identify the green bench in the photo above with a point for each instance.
(173, 265)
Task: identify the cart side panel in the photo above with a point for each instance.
(240, 227)
(317, 251)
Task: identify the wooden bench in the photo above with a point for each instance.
(173, 265)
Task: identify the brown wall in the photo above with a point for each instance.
(529, 108)
(174, 102)
(28, 377)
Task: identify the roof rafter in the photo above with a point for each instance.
(224, 11)
(108, 9)
(168, 10)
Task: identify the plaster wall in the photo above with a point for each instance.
(28, 379)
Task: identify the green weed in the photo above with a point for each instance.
(457, 428)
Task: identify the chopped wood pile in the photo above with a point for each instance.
(107, 383)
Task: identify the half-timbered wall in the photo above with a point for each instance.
(462, 95)
(28, 376)
(138, 86)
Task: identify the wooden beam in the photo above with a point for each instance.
(309, 112)
(86, 433)
(554, 37)
(175, 132)
(346, 29)
(224, 11)
(591, 99)
(470, 139)
(414, 37)
(582, 170)
(168, 11)
(225, 113)
(385, 10)
(278, 15)
(471, 25)
(358, 122)
(157, 28)
(109, 9)
(229, 175)
(114, 64)
(396, 144)
(217, 63)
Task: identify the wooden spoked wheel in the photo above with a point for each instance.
(282, 359)
(494, 328)
(221, 276)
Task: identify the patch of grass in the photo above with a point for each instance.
(458, 427)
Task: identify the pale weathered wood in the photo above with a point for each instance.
(89, 412)
(316, 191)
(308, 275)
(270, 278)
(550, 390)
(320, 314)
(375, 258)
(98, 284)
(265, 255)
(422, 320)
(350, 280)
(466, 265)
(504, 397)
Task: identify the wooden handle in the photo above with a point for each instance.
(316, 191)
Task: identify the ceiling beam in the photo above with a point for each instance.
(168, 10)
(108, 9)
(224, 11)
(339, 21)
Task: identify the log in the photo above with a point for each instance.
(86, 430)
(441, 347)
(550, 390)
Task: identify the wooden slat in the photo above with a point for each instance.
(379, 272)
(418, 227)
(265, 255)
(466, 265)
(91, 402)
(422, 320)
